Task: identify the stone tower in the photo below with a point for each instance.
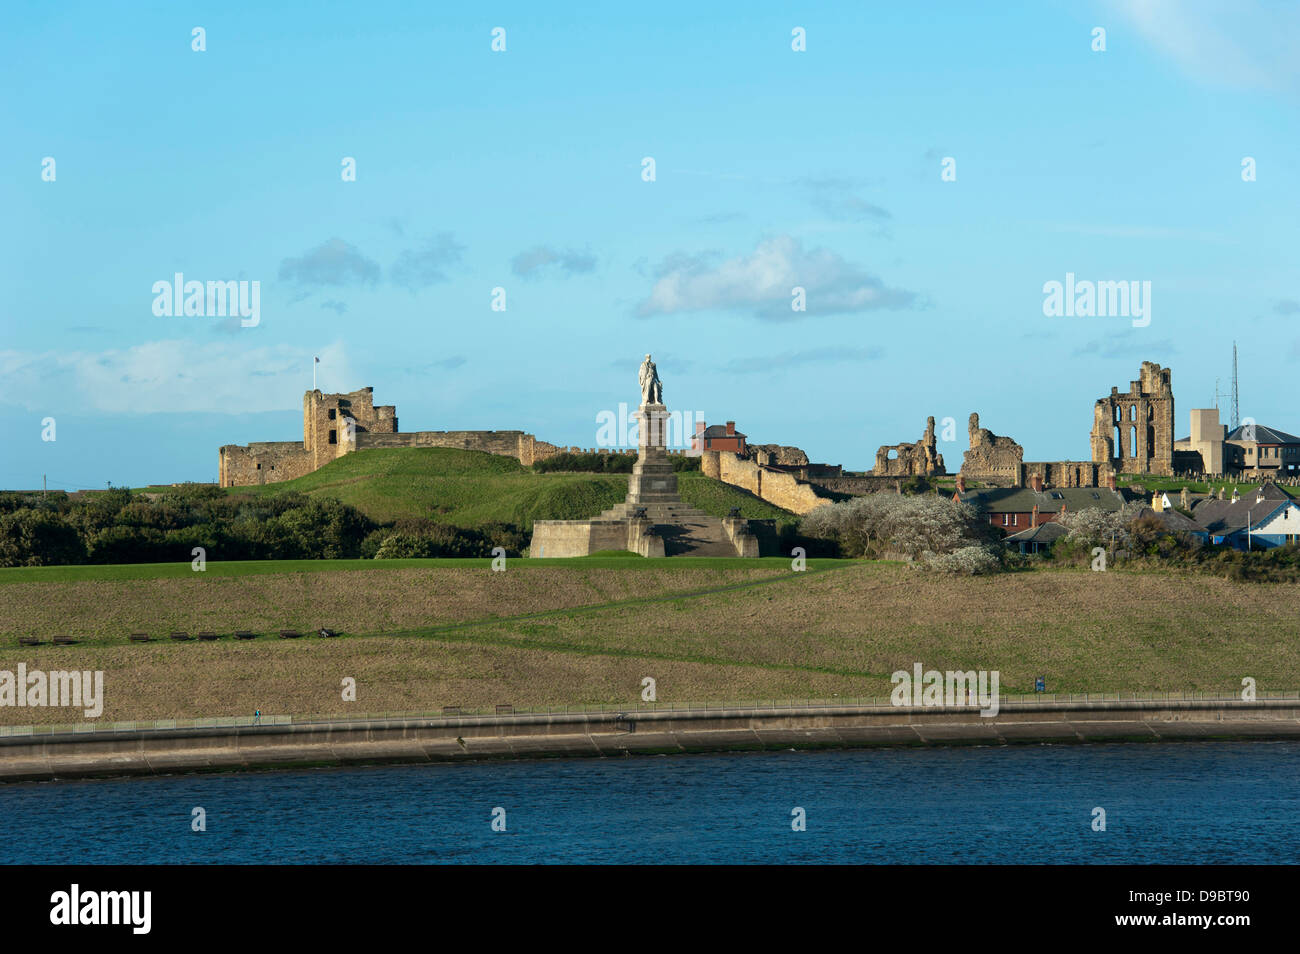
(1134, 432)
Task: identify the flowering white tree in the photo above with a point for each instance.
(916, 526)
(1092, 527)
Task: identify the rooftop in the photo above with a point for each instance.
(1224, 516)
(1024, 499)
(1263, 435)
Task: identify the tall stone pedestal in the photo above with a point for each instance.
(653, 480)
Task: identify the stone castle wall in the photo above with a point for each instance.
(266, 462)
(525, 448)
(338, 424)
(776, 487)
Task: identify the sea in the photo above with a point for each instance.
(1174, 803)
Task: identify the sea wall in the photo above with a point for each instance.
(154, 751)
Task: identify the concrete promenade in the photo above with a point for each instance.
(113, 751)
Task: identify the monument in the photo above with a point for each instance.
(653, 521)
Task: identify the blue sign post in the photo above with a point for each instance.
(1040, 684)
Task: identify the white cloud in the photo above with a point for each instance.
(761, 283)
(168, 376)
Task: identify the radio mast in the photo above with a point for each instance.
(1236, 409)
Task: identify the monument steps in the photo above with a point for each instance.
(653, 520)
(696, 539)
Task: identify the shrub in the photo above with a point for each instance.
(444, 540)
(38, 538)
(1093, 527)
(586, 463)
(912, 526)
(970, 561)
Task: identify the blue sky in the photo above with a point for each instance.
(522, 170)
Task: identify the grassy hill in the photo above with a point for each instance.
(418, 635)
(468, 488)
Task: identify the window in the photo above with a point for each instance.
(259, 466)
(334, 437)
(333, 413)
(1006, 520)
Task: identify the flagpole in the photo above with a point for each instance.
(314, 361)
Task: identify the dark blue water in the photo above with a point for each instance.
(1173, 803)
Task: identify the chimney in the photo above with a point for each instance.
(1110, 482)
(961, 483)
(1036, 481)
(1062, 510)
(731, 428)
(1033, 519)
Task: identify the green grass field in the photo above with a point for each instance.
(562, 633)
(1152, 483)
(469, 488)
(619, 560)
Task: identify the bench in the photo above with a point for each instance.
(505, 709)
(245, 634)
(208, 636)
(29, 641)
(324, 633)
(64, 640)
(140, 638)
(180, 636)
(290, 634)
(451, 710)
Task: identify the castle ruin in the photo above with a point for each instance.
(918, 459)
(338, 424)
(999, 461)
(1134, 432)
(992, 458)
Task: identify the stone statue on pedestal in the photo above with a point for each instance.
(652, 389)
